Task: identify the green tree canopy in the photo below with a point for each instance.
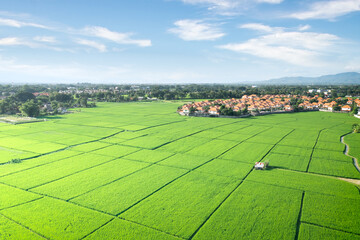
(30, 108)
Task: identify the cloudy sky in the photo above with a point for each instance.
(176, 41)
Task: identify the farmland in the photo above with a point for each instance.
(141, 171)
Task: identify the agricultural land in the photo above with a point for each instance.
(139, 170)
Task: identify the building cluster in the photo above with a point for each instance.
(267, 103)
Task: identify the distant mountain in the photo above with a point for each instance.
(348, 78)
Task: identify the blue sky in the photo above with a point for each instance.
(176, 41)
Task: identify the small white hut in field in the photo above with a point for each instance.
(261, 165)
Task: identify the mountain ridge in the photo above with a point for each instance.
(346, 78)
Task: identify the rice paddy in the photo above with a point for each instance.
(141, 171)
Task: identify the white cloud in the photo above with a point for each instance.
(298, 48)
(328, 9)
(19, 24)
(196, 30)
(120, 38)
(98, 46)
(257, 27)
(270, 1)
(61, 73)
(229, 7)
(14, 41)
(304, 27)
(45, 39)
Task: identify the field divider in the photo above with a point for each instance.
(318, 225)
(299, 216)
(103, 225)
(313, 149)
(38, 234)
(158, 230)
(19, 204)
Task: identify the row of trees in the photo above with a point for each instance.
(27, 104)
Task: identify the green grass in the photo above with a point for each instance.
(150, 156)
(120, 229)
(226, 168)
(255, 211)
(182, 206)
(332, 211)
(170, 176)
(287, 161)
(185, 161)
(310, 232)
(37, 176)
(305, 182)
(120, 195)
(12, 230)
(10, 196)
(334, 168)
(212, 148)
(247, 152)
(89, 179)
(57, 219)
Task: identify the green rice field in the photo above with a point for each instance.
(141, 171)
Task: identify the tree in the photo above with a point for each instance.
(24, 96)
(30, 108)
(83, 102)
(356, 128)
(337, 108)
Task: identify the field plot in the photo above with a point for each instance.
(308, 232)
(10, 196)
(305, 182)
(122, 194)
(255, 211)
(181, 207)
(46, 173)
(152, 174)
(334, 168)
(332, 211)
(11, 230)
(36, 161)
(150, 156)
(185, 161)
(56, 219)
(287, 161)
(79, 183)
(247, 152)
(212, 148)
(120, 229)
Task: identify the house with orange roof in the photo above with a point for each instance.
(346, 108)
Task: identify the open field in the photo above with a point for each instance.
(141, 171)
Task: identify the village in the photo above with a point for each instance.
(255, 105)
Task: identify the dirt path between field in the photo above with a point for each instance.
(355, 161)
(350, 180)
(346, 152)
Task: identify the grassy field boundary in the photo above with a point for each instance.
(313, 149)
(299, 216)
